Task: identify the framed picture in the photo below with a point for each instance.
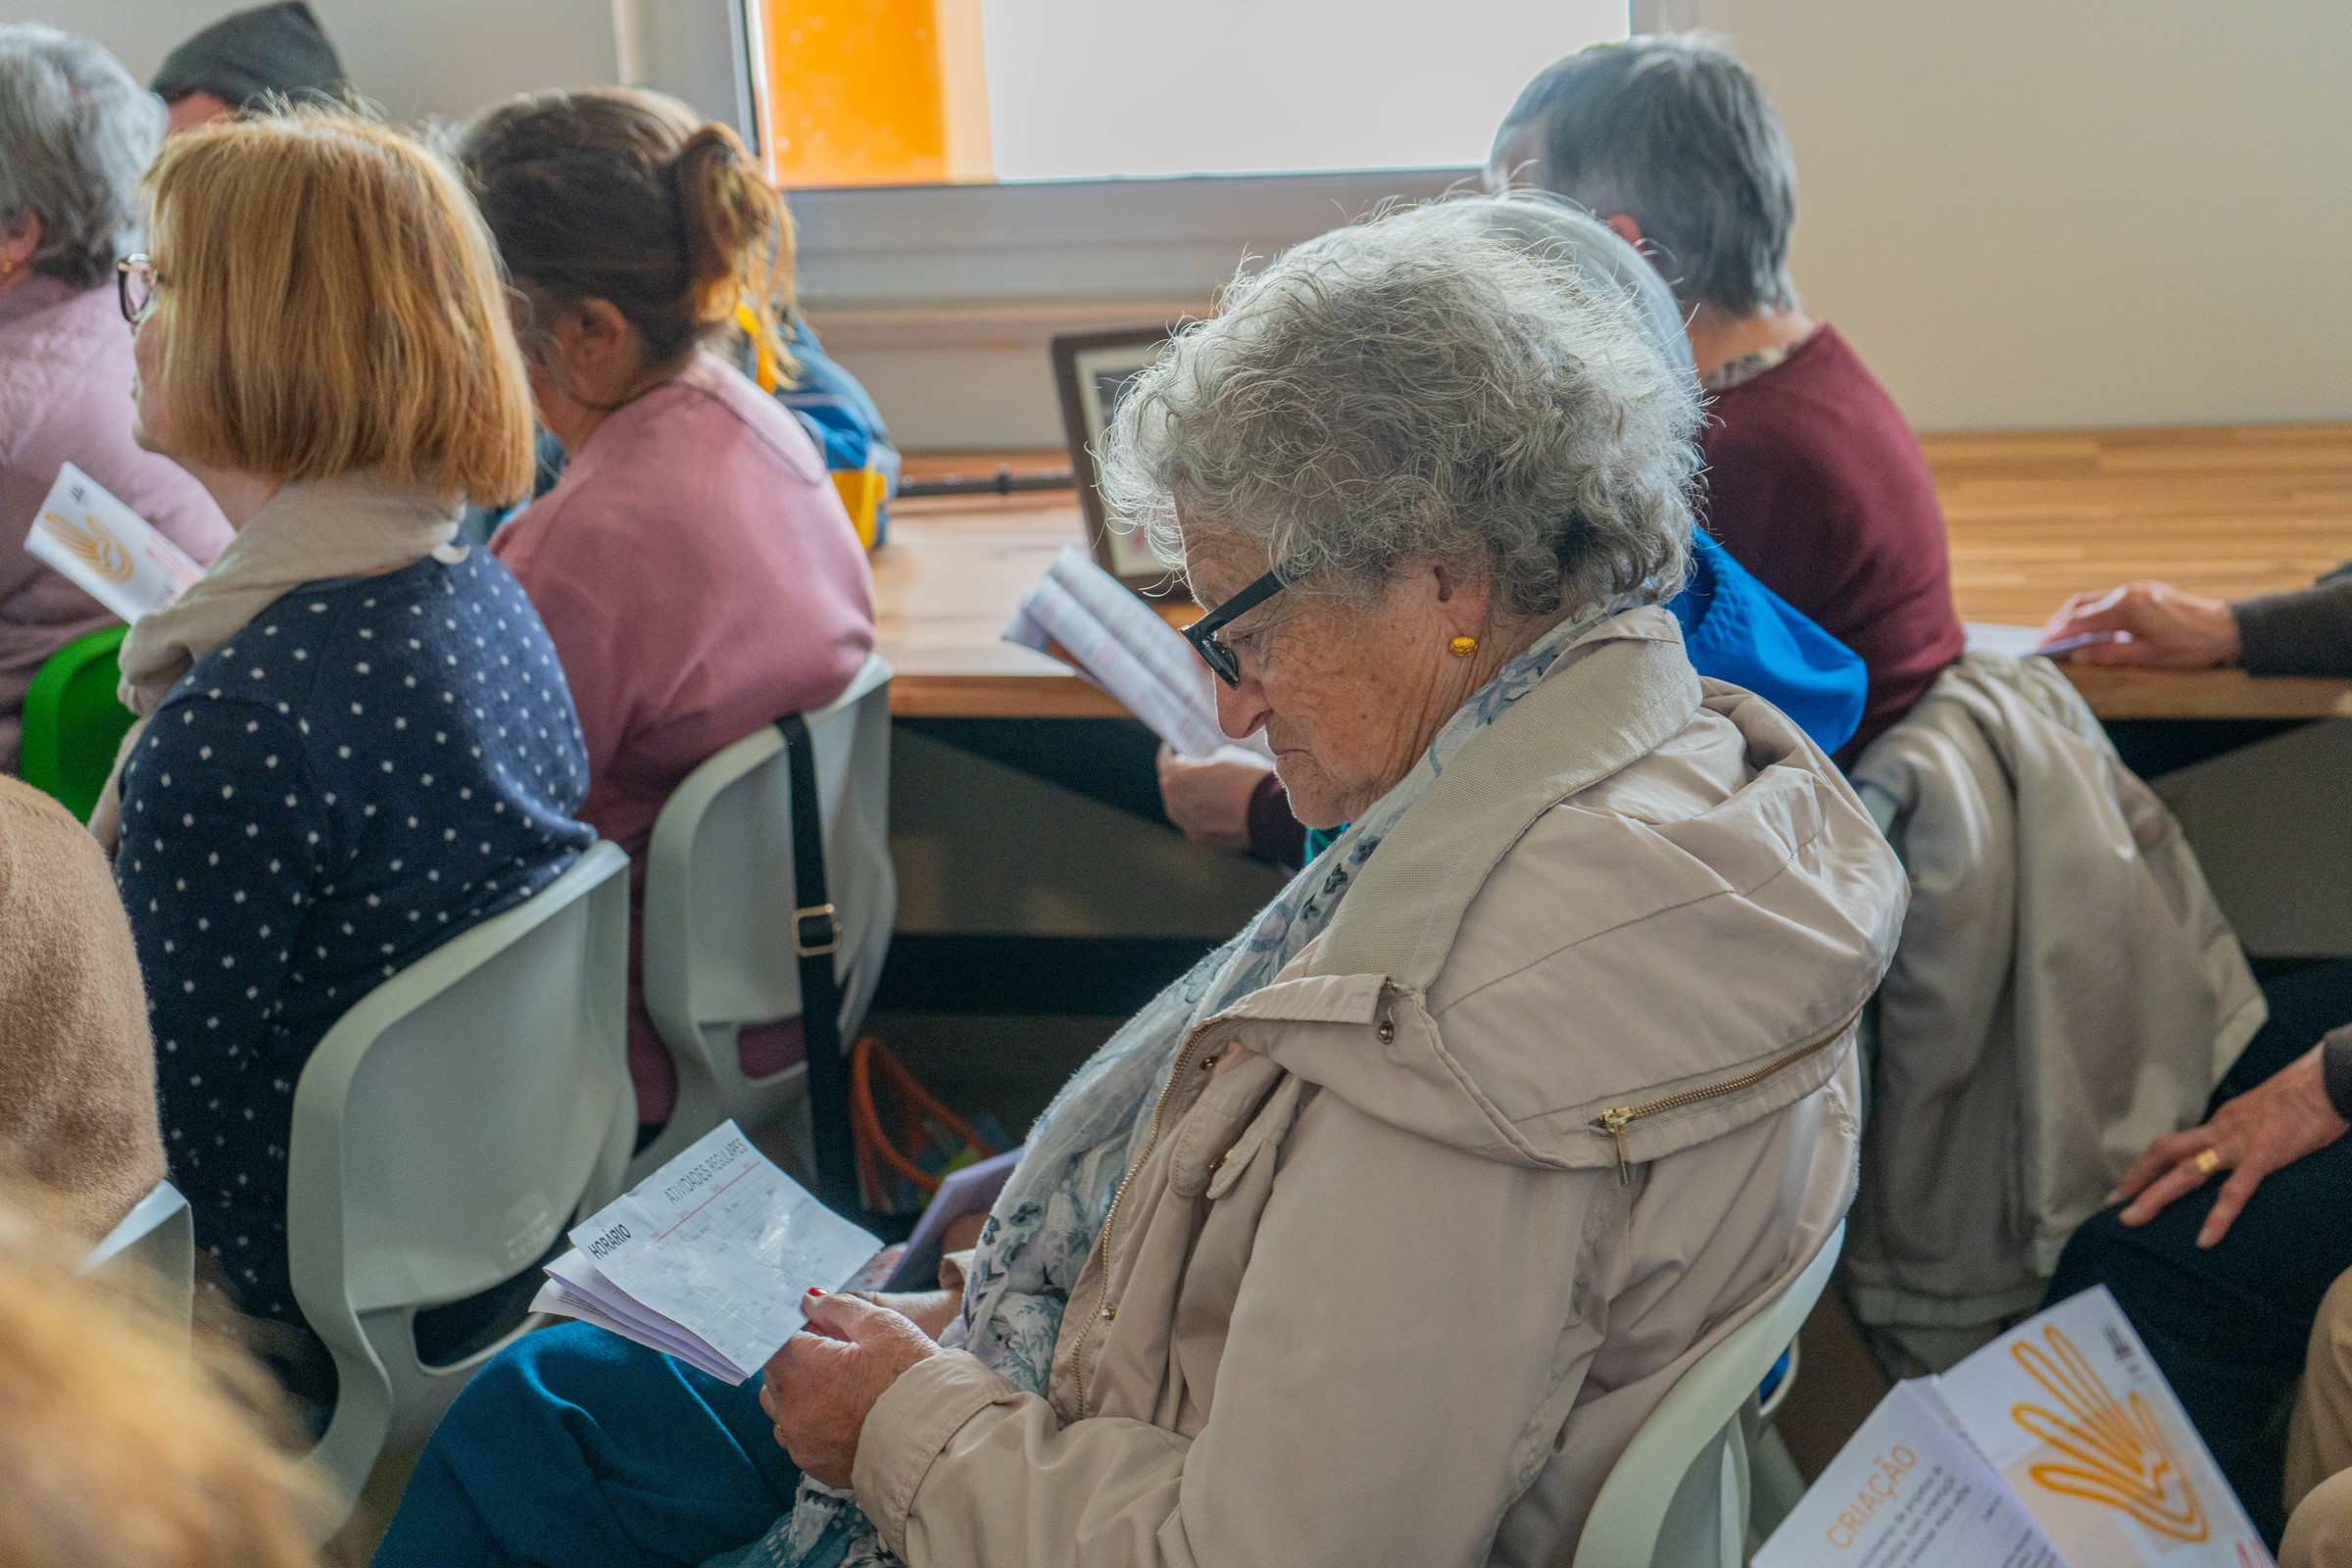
(1091, 371)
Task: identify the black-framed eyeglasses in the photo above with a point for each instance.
(1203, 633)
(136, 283)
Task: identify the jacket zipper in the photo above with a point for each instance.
(1103, 1307)
(1617, 1119)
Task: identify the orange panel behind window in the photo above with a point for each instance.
(855, 94)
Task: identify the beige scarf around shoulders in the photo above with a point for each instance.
(310, 531)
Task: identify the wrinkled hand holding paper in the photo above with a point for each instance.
(1122, 645)
(107, 549)
(707, 1260)
(2057, 1445)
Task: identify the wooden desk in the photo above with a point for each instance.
(2033, 516)
(2226, 510)
(944, 585)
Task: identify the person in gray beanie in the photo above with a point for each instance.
(274, 50)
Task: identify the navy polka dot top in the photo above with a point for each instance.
(368, 769)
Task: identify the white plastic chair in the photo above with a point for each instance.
(156, 1241)
(451, 1124)
(1678, 1496)
(719, 907)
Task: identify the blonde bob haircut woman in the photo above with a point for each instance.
(329, 303)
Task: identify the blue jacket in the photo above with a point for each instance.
(1740, 631)
(838, 412)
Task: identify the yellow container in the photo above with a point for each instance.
(862, 492)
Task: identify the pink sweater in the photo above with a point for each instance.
(66, 378)
(699, 579)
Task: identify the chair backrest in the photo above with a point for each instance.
(1678, 1496)
(154, 1247)
(719, 902)
(448, 1128)
(73, 721)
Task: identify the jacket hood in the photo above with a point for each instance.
(1634, 888)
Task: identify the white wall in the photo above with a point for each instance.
(413, 57)
(2073, 211)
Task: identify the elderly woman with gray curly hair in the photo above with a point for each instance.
(1374, 1238)
(75, 134)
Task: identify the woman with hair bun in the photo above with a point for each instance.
(693, 564)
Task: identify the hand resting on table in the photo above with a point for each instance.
(2147, 623)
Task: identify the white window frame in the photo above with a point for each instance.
(990, 249)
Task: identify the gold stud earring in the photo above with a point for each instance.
(1462, 647)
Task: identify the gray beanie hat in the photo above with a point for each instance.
(275, 49)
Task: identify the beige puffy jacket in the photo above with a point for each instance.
(2067, 990)
(1400, 1288)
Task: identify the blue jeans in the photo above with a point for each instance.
(577, 1448)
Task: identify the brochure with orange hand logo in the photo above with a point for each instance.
(1909, 1491)
(109, 551)
(2063, 1424)
(2071, 1409)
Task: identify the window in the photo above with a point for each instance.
(926, 93)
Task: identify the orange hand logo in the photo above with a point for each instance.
(92, 544)
(2115, 1452)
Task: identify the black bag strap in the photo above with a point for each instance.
(815, 939)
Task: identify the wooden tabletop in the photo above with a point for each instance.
(944, 584)
(2035, 516)
(2226, 510)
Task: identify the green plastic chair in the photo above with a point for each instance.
(74, 722)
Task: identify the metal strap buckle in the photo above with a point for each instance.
(816, 931)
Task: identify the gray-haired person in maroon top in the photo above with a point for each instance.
(1814, 481)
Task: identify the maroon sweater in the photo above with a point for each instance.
(1815, 485)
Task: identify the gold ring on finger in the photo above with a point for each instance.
(2208, 1161)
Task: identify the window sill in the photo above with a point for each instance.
(949, 252)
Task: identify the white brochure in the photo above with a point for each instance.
(2024, 642)
(2057, 1445)
(1909, 1491)
(2071, 1410)
(707, 1260)
(1120, 644)
(108, 550)
(1991, 637)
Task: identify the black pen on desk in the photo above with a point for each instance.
(1004, 482)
